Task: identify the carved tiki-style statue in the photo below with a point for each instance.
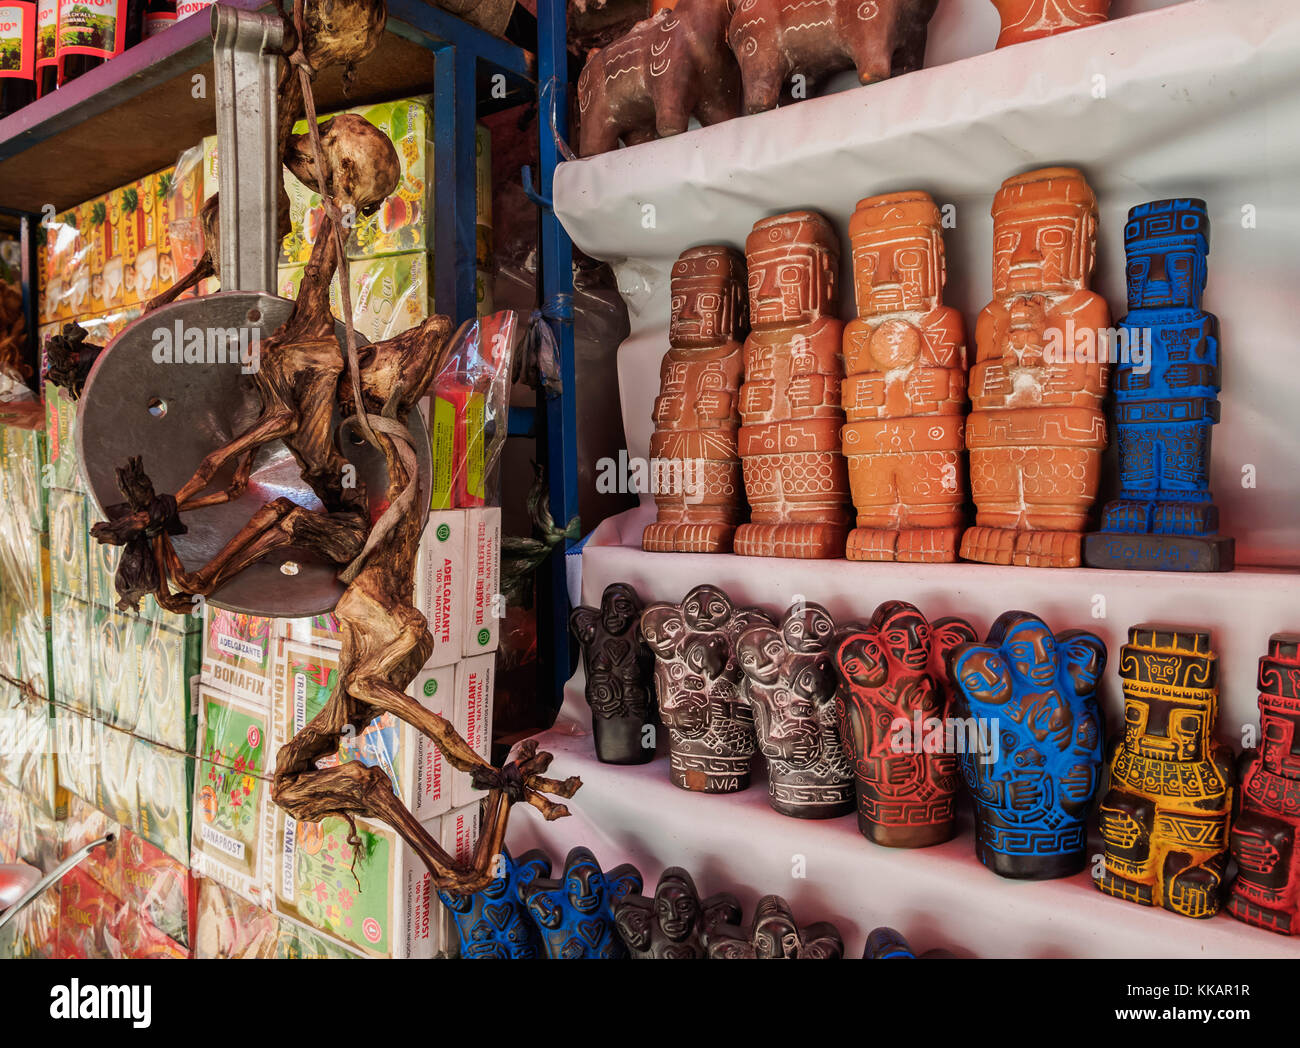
(697, 677)
(790, 686)
(1035, 774)
(675, 924)
(893, 703)
(1164, 820)
(904, 389)
(492, 924)
(795, 477)
(778, 40)
(1036, 428)
(620, 678)
(775, 935)
(649, 82)
(1166, 401)
(575, 915)
(1030, 19)
(1264, 835)
(693, 453)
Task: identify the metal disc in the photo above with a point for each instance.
(175, 414)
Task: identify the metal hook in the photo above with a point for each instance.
(530, 191)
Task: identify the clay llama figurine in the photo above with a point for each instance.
(1264, 836)
(1031, 19)
(777, 41)
(1164, 820)
(1166, 401)
(904, 390)
(649, 82)
(1036, 428)
(796, 480)
(693, 453)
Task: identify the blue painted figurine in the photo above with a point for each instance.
(493, 924)
(1166, 401)
(1033, 728)
(575, 915)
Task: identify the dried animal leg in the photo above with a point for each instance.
(70, 358)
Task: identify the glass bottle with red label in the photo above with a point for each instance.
(17, 54)
(93, 31)
(158, 15)
(185, 8)
(47, 37)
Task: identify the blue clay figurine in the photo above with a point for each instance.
(493, 924)
(575, 915)
(1166, 401)
(1028, 701)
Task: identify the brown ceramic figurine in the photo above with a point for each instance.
(694, 459)
(778, 40)
(697, 678)
(1030, 19)
(648, 83)
(1036, 428)
(675, 924)
(790, 687)
(1164, 820)
(894, 707)
(904, 390)
(795, 477)
(1264, 842)
(774, 934)
(619, 676)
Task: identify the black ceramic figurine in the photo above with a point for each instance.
(620, 670)
(885, 944)
(774, 934)
(492, 924)
(675, 924)
(697, 677)
(575, 916)
(790, 686)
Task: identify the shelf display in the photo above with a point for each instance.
(1166, 401)
(790, 688)
(697, 680)
(774, 934)
(796, 480)
(1164, 820)
(1266, 890)
(492, 923)
(1032, 19)
(904, 387)
(694, 456)
(777, 40)
(648, 83)
(620, 676)
(894, 691)
(1035, 773)
(674, 925)
(1036, 428)
(575, 914)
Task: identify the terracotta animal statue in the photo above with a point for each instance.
(777, 40)
(650, 82)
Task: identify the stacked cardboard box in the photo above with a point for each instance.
(263, 681)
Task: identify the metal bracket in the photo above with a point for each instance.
(246, 67)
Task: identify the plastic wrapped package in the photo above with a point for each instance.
(60, 437)
(118, 792)
(115, 697)
(180, 234)
(238, 655)
(231, 796)
(89, 918)
(165, 663)
(158, 890)
(12, 808)
(69, 553)
(38, 839)
(230, 927)
(165, 780)
(70, 644)
(34, 932)
(85, 823)
(66, 258)
(389, 295)
(79, 739)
